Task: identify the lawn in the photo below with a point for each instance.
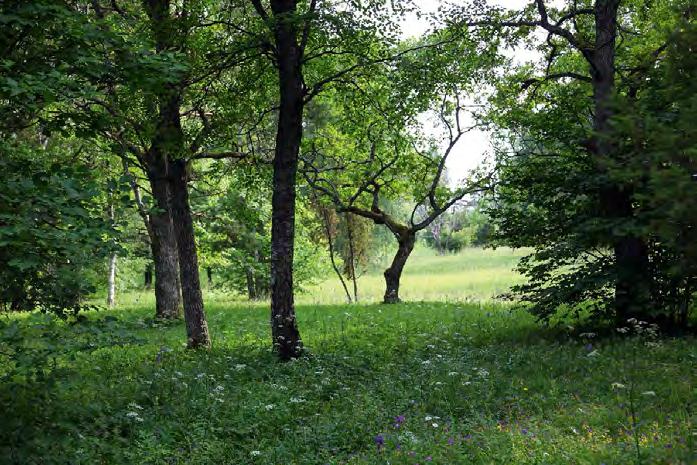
(426, 383)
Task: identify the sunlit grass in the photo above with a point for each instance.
(472, 275)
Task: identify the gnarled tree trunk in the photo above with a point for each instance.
(394, 273)
(196, 325)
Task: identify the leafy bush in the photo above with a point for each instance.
(51, 232)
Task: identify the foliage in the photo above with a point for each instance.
(234, 212)
(552, 192)
(52, 231)
(459, 228)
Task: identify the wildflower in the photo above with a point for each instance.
(135, 416)
(435, 425)
(269, 407)
(589, 347)
(618, 386)
(297, 400)
(451, 441)
(453, 373)
(428, 459)
(135, 406)
(398, 420)
(379, 441)
(240, 366)
(255, 453)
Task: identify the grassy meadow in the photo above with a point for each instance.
(472, 275)
(469, 381)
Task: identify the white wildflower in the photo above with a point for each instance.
(255, 453)
(435, 425)
(269, 407)
(618, 386)
(297, 400)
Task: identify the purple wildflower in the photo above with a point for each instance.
(379, 441)
(398, 420)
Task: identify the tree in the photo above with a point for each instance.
(586, 202)
(164, 129)
(340, 46)
(389, 159)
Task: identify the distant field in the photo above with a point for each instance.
(472, 275)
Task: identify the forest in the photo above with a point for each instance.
(348, 232)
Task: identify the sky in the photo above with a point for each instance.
(474, 146)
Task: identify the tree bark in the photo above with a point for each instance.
(147, 276)
(251, 290)
(632, 276)
(196, 324)
(284, 329)
(394, 273)
(111, 285)
(111, 278)
(163, 244)
(352, 256)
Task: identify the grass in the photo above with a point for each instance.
(472, 275)
(440, 383)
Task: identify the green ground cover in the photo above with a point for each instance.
(426, 383)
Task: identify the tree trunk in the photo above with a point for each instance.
(328, 231)
(284, 329)
(251, 290)
(352, 256)
(111, 284)
(111, 278)
(394, 273)
(163, 244)
(630, 251)
(196, 325)
(147, 276)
